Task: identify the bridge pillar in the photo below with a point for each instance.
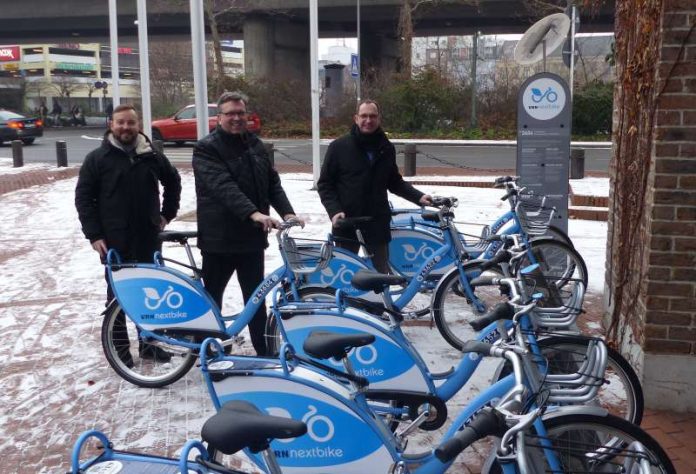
(275, 48)
(380, 53)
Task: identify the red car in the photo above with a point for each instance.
(181, 127)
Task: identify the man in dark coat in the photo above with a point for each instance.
(358, 170)
(118, 202)
(236, 185)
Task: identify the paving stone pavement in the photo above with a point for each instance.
(52, 389)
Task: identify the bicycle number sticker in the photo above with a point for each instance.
(544, 99)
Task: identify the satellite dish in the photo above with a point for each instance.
(542, 38)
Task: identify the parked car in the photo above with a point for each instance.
(14, 126)
(181, 127)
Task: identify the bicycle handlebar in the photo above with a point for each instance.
(485, 423)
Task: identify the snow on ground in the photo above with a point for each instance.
(55, 382)
(590, 186)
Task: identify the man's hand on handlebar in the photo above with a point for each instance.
(337, 217)
(426, 200)
(266, 222)
(294, 218)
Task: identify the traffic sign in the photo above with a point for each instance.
(354, 65)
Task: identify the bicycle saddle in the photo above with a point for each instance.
(240, 425)
(325, 344)
(368, 280)
(176, 235)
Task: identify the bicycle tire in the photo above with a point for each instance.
(600, 432)
(559, 262)
(571, 450)
(144, 372)
(622, 396)
(556, 233)
(453, 311)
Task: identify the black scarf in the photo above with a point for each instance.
(368, 142)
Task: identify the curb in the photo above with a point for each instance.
(35, 177)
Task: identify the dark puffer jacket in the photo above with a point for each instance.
(352, 183)
(117, 198)
(234, 179)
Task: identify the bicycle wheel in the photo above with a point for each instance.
(621, 395)
(556, 233)
(453, 310)
(558, 261)
(591, 443)
(146, 365)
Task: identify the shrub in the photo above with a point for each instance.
(592, 109)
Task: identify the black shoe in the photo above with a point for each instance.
(148, 351)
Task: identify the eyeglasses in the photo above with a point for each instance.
(234, 113)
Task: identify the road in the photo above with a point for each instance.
(294, 151)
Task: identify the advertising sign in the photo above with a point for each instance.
(543, 141)
(9, 53)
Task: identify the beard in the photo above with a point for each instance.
(126, 138)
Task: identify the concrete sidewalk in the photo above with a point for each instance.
(71, 386)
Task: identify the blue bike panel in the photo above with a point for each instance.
(340, 438)
(145, 464)
(388, 363)
(339, 273)
(156, 297)
(410, 249)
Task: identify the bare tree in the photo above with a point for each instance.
(65, 86)
(171, 73)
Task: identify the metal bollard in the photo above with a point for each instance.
(61, 153)
(577, 163)
(17, 154)
(271, 152)
(158, 145)
(410, 159)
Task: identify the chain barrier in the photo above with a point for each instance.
(291, 158)
(449, 163)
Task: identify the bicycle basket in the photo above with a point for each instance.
(305, 255)
(533, 215)
(576, 377)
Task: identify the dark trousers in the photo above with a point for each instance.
(217, 271)
(379, 253)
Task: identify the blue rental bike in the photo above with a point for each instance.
(398, 374)
(336, 431)
(344, 433)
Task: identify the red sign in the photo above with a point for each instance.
(9, 53)
(125, 50)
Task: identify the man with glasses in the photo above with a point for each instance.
(358, 170)
(236, 185)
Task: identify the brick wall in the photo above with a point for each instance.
(669, 285)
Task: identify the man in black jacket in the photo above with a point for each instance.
(358, 170)
(118, 203)
(235, 186)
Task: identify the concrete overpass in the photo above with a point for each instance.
(275, 32)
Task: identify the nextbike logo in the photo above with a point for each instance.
(411, 253)
(261, 292)
(365, 355)
(421, 276)
(320, 429)
(342, 275)
(170, 298)
(544, 99)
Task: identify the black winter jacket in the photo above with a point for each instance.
(117, 199)
(234, 179)
(351, 183)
